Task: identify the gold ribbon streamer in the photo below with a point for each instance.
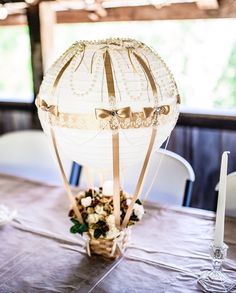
(149, 111)
(60, 74)
(115, 140)
(109, 77)
(148, 73)
(43, 105)
(107, 114)
(116, 176)
(140, 180)
(66, 184)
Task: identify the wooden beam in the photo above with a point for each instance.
(47, 21)
(35, 42)
(16, 106)
(207, 4)
(207, 121)
(14, 19)
(227, 9)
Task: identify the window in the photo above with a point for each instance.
(16, 83)
(200, 53)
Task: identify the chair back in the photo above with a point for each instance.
(230, 207)
(27, 154)
(173, 184)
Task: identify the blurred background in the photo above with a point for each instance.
(197, 40)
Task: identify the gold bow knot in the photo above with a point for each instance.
(107, 114)
(149, 111)
(43, 105)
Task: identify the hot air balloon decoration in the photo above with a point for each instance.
(106, 104)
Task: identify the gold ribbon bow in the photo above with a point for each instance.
(149, 111)
(43, 105)
(120, 113)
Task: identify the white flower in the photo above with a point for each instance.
(93, 218)
(112, 233)
(111, 220)
(99, 210)
(138, 211)
(86, 201)
(128, 201)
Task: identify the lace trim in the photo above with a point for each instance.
(89, 121)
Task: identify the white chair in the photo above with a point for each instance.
(230, 207)
(173, 184)
(27, 154)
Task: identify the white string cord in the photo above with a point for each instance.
(156, 173)
(114, 265)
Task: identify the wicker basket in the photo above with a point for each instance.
(111, 248)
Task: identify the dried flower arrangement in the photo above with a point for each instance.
(97, 213)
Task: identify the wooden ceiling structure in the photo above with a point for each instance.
(39, 15)
(124, 10)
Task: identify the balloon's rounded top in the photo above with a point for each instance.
(108, 84)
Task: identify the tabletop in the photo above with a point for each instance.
(169, 248)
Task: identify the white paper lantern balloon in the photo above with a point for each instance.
(96, 88)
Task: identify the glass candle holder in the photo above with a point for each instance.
(215, 280)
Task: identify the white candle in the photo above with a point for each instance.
(107, 188)
(220, 213)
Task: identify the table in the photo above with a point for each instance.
(169, 247)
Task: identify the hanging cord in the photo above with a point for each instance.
(155, 174)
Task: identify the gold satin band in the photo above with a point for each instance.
(116, 176)
(123, 118)
(148, 73)
(66, 184)
(115, 140)
(148, 112)
(140, 180)
(56, 82)
(109, 77)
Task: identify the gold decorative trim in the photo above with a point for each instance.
(122, 118)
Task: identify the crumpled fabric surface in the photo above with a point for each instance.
(169, 248)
